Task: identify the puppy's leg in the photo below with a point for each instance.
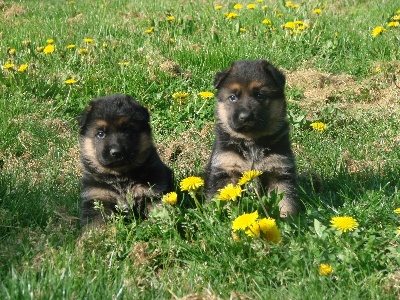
(280, 175)
(142, 199)
(288, 206)
(218, 178)
(92, 216)
(223, 168)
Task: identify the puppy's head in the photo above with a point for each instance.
(115, 134)
(251, 100)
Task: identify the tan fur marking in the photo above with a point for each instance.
(88, 151)
(121, 120)
(255, 85)
(146, 143)
(230, 161)
(101, 194)
(101, 123)
(233, 87)
(274, 161)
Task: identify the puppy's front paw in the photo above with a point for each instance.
(288, 207)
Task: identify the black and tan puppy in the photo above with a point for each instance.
(252, 133)
(121, 166)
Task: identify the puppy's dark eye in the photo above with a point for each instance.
(260, 96)
(233, 98)
(101, 134)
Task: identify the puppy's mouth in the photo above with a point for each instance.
(117, 162)
(249, 126)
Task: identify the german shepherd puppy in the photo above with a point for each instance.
(251, 132)
(121, 166)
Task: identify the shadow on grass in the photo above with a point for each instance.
(369, 187)
(34, 214)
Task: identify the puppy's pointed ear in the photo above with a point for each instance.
(83, 118)
(276, 74)
(220, 77)
(141, 112)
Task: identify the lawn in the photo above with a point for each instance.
(342, 65)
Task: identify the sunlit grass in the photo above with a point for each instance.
(56, 56)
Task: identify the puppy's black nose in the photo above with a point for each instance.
(115, 152)
(244, 116)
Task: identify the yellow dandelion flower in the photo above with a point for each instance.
(299, 23)
(396, 17)
(378, 30)
(50, 41)
(70, 81)
(49, 49)
(218, 7)
(8, 65)
(191, 184)
(83, 51)
(259, 1)
(269, 230)
(242, 29)
(325, 269)
(70, 46)
(150, 30)
(170, 198)
(124, 63)
(22, 68)
(317, 11)
(232, 15)
(397, 211)
(398, 229)
(206, 95)
(244, 221)
(344, 223)
(170, 18)
(229, 193)
(264, 7)
(289, 25)
(248, 176)
(267, 22)
(180, 95)
(105, 45)
(238, 6)
(393, 24)
(26, 42)
(88, 40)
(279, 15)
(290, 4)
(251, 6)
(12, 51)
(40, 49)
(253, 230)
(318, 126)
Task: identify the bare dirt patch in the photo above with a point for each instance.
(11, 10)
(380, 92)
(190, 148)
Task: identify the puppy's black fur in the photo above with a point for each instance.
(121, 166)
(251, 132)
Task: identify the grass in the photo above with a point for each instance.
(337, 73)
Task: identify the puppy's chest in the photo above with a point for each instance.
(244, 157)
